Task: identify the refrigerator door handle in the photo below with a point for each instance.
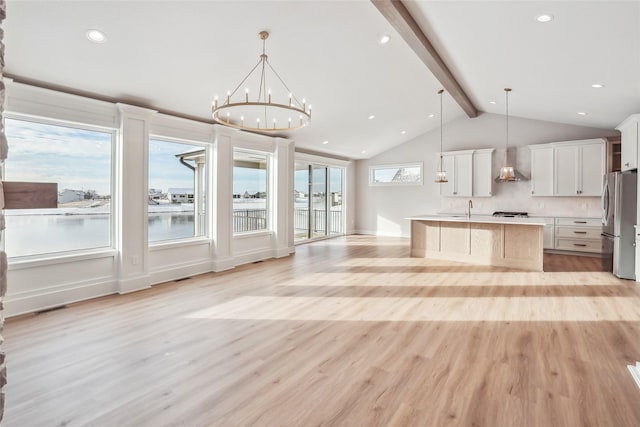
(605, 203)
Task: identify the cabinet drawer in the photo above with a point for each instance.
(579, 222)
(579, 232)
(579, 245)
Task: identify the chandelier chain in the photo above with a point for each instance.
(245, 78)
(283, 83)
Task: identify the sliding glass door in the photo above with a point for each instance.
(318, 201)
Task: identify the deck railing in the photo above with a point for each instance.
(256, 219)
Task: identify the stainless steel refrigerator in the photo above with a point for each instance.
(619, 204)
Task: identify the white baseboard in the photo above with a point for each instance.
(253, 256)
(222, 264)
(180, 271)
(134, 283)
(635, 372)
(49, 298)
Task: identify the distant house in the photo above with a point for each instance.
(180, 195)
(68, 196)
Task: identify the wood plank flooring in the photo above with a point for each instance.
(347, 332)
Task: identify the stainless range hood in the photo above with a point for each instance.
(509, 173)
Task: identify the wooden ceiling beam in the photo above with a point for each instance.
(399, 17)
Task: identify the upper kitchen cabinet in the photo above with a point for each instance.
(630, 139)
(459, 167)
(569, 168)
(541, 170)
(468, 172)
(482, 176)
(578, 167)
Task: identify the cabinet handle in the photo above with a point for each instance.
(626, 164)
(455, 192)
(579, 222)
(531, 191)
(579, 244)
(580, 232)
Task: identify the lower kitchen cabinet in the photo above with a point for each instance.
(578, 234)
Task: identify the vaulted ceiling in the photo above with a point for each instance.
(175, 56)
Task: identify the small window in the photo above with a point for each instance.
(177, 189)
(250, 191)
(406, 174)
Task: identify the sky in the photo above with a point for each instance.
(80, 159)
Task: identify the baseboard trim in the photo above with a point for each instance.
(134, 284)
(179, 271)
(49, 298)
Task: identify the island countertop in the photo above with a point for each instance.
(479, 219)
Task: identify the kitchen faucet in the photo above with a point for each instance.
(469, 209)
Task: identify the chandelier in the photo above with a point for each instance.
(255, 111)
(441, 174)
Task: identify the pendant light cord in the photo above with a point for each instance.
(440, 92)
(506, 146)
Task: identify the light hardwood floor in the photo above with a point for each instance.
(347, 332)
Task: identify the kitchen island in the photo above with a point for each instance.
(503, 242)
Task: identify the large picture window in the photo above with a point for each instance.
(79, 160)
(177, 188)
(250, 191)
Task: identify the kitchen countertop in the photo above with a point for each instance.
(482, 219)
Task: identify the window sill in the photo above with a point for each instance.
(165, 244)
(249, 234)
(20, 263)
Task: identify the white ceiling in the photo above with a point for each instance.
(175, 56)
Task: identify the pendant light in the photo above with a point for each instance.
(507, 172)
(441, 174)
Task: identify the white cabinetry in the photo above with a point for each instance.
(459, 167)
(549, 233)
(468, 173)
(630, 138)
(541, 170)
(578, 234)
(482, 176)
(578, 167)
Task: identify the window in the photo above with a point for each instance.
(79, 160)
(250, 191)
(176, 190)
(406, 174)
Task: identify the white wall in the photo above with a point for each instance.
(133, 264)
(382, 210)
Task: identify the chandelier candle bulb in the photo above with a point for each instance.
(246, 95)
(241, 120)
(270, 97)
(215, 102)
(228, 96)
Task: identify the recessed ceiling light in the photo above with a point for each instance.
(363, 152)
(582, 113)
(325, 142)
(371, 117)
(385, 39)
(544, 18)
(96, 36)
(403, 132)
(431, 116)
(492, 102)
(597, 86)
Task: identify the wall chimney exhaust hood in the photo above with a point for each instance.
(507, 172)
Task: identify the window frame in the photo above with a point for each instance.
(83, 253)
(270, 192)
(206, 194)
(373, 168)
